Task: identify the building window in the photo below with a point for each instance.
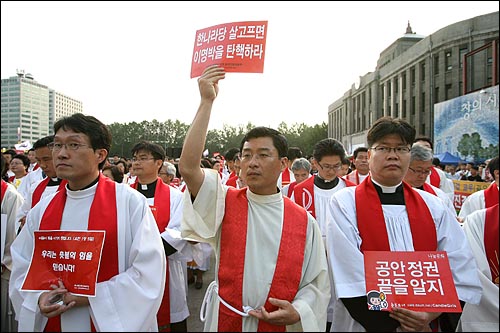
(422, 71)
(447, 59)
(436, 65)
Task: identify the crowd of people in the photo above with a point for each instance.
(289, 233)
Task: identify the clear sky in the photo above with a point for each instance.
(131, 61)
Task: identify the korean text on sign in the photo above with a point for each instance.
(70, 256)
(419, 280)
(238, 47)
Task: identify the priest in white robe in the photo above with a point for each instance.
(481, 229)
(247, 229)
(132, 271)
(357, 220)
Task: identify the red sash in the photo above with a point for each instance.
(491, 240)
(428, 188)
(36, 167)
(37, 193)
(435, 179)
(288, 270)
(303, 193)
(285, 177)
(291, 188)
(12, 178)
(102, 216)
(232, 181)
(491, 195)
(4, 188)
(162, 217)
(371, 223)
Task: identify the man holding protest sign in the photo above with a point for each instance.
(130, 280)
(271, 270)
(384, 213)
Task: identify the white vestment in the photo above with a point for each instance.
(177, 261)
(127, 302)
(25, 188)
(347, 262)
(202, 221)
(473, 202)
(446, 199)
(28, 200)
(322, 199)
(11, 203)
(445, 184)
(484, 316)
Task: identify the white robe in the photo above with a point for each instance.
(484, 316)
(347, 262)
(127, 302)
(179, 309)
(321, 209)
(202, 221)
(11, 203)
(26, 207)
(473, 202)
(445, 184)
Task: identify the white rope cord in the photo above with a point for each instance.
(213, 287)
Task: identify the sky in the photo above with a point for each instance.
(131, 61)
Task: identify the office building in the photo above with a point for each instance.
(416, 72)
(29, 109)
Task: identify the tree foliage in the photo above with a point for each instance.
(170, 135)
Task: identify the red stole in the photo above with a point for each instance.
(232, 181)
(162, 217)
(435, 179)
(4, 188)
(303, 193)
(371, 223)
(285, 177)
(288, 270)
(291, 188)
(37, 193)
(491, 195)
(102, 216)
(491, 240)
(428, 188)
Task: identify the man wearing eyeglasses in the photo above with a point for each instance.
(419, 169)
(166, 204)
(384, 213)
(270, 261)
(437, 177)
(314, 193)
(132, 267)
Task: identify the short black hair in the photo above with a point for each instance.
(293, 153)
(425, 139)
(43, 142)
(98, 133)
(155, 149)
(328, 147)
(387, 125)
(279, 140)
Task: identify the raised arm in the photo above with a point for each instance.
(189, 163)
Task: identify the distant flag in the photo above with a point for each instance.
(26, 145)
(205, 153)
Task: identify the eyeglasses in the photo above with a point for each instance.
(335, 167)
(16, 163)
(386, 150)
(248, 157)
(141, 159)
(53, 146)
(162, 173)
(421, 172)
